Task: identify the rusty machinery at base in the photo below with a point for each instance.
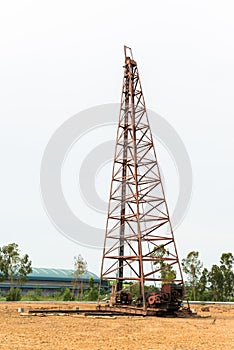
(167, 302)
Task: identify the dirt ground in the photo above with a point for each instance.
(21, 331)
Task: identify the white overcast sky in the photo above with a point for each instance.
(60, 57)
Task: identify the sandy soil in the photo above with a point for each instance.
(20, 331)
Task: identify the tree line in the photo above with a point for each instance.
(15, 268)
(216, 284)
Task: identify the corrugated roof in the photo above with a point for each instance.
(40, 273)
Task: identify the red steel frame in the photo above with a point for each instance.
(138, 222)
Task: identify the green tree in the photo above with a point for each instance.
(166, 270)
(216, 280)
(203, 284)
(226, 265)
(192, 267)
(14, 267)
(92, 293)
(80, 267)
(91, 282)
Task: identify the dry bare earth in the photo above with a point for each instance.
(75, 332)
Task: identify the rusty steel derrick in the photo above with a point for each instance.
(139, 241)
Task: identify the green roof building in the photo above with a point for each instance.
(51, 280)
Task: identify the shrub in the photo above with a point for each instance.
(32, 296)
(58, 295)
(14, 294)
(67, 296)
(38, 291)
(92, 295)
